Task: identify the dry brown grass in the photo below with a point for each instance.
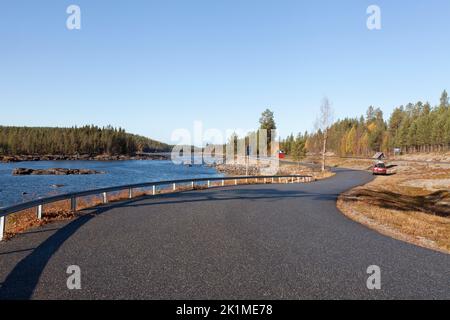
(295, 169)
(416, 227)
(398, 206)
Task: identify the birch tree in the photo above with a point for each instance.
(323, 124)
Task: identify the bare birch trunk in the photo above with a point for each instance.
(324, 148)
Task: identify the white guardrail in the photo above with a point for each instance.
(39, 203)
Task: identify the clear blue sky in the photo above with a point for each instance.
(154, 66)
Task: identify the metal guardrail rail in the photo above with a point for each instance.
(39, 203)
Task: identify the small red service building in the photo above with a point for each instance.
(281, 154)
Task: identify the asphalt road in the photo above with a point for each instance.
(246, 242)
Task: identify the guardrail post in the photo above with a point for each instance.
(73, 204)
(235, 182)
(130, 193)
(105, 197)
(223, 183)
(154, 190)
(174, 187)
(192, 185)
(39, 211)
(2, 227)
(209, 183)
(272, 179)
(264, 180)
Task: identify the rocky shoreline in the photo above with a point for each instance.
(102, 157)
(53, 172)
(238, 169)
(284, 169)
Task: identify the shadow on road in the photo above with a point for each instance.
(23, 279)
(21, 282)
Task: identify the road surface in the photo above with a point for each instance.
(246, 242)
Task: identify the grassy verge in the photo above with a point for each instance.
(411, 204)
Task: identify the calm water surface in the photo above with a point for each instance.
(12, 188)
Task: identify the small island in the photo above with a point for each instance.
(53, 172)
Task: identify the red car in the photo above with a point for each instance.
(379, 168)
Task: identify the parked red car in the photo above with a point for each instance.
(379, 168)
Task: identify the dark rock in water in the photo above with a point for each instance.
(22, 172)
(54, 171)
(57, 185)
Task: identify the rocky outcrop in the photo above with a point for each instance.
(53, 172)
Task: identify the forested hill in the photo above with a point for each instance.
(414, 127)
(67, 141)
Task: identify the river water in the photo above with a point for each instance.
(17, 189)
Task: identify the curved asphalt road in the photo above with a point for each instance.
(249, 242)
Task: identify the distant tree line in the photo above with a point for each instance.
(295, 146)
(84, 140)
(415, 127)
